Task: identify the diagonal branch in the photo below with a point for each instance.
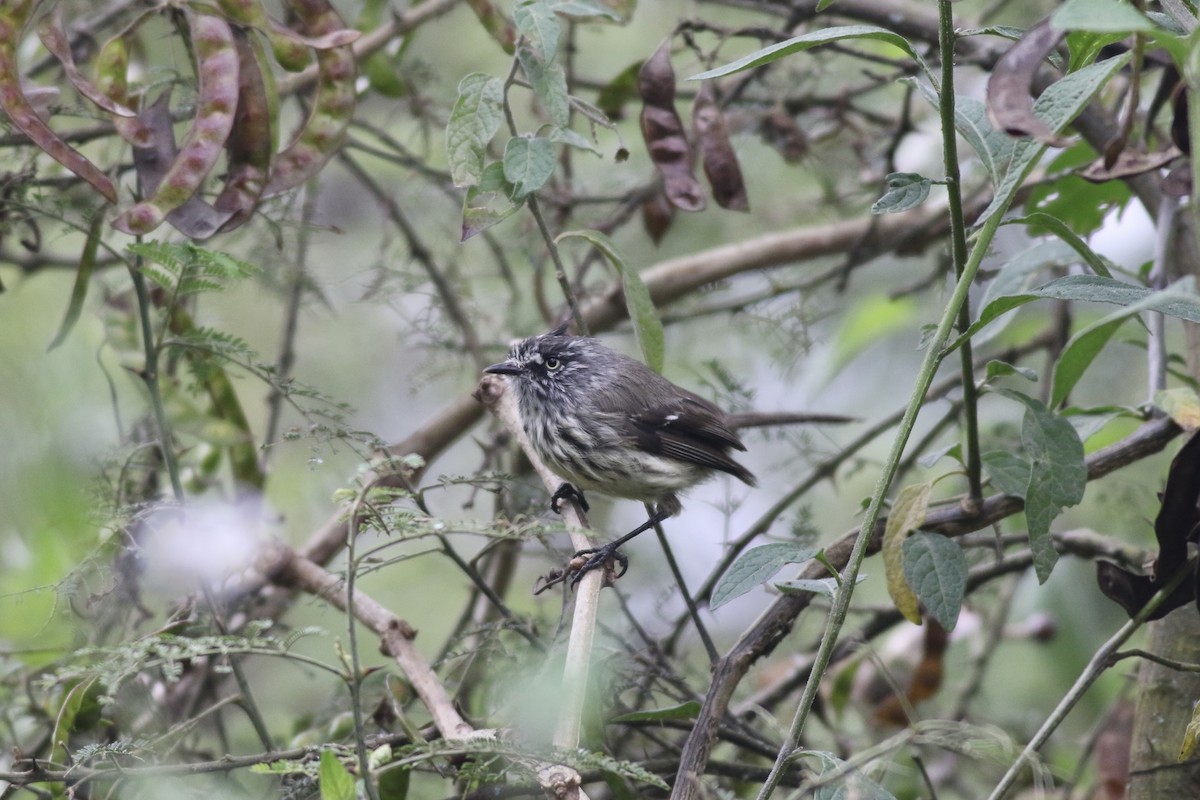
(776, 622)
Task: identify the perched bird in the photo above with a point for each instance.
(604, 421)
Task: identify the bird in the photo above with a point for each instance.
(604, 421)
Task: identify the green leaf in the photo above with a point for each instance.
(905, 190)
(647, 327)
(490, 202)
(584, 9)
(993, 147)
(1100, 16)
(932, 457)
(822, 586)
(1060, 229)
(907, 514)
(755, 567)
(549, 84)
(1079, 353)
(688, 710)
(528, 164)
(393, 783)
(1085, 345)
(83, 275)
(1177, 300)
(936, 568)
(474, 120)
(336, 782)
(540, 27)
(810, 40)
(1057, 106)
(71, 708)
(571, 138)
(1008, 471)
(1002, 369)
(1057, 476)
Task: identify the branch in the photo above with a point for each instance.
(493, 393)
(284, 566)
(776, 622)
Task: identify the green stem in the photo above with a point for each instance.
(841, 603)
(958, 245)
(150, 376)
(956, 309)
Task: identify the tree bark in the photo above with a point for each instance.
(1166, 696)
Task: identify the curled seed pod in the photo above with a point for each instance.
(216, 101)
(13, 17)
(332, 108)
(663, 132)
(290, 48)
(720, 161)
(250, 145)
(53, 34)
(112, 80)
(193, 217)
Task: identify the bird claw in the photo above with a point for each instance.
(584, 562)
(566, 491)
(598, 557)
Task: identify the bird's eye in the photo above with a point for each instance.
(553, 364)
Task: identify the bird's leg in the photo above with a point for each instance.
(566, 491)
(599, 556)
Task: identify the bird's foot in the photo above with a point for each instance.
(606, 557)
(566, 491)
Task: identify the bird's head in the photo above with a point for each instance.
(552, 365)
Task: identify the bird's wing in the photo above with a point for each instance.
(667, 420)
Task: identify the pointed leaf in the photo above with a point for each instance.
(647, 327)
(907, 514)
(934, 565)
(905, 190)
(528, 164)
(540, 27)
(810, 40)
(688, 710)
(1008, 471)
(490, 202)
(1072, 239)
(87, 262)
(336, 782)
(754, 567)
(474, 120)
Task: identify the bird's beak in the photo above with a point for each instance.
(505, 368)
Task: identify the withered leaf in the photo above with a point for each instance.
(1129, 162)
(1177, 523)
(1009, 95)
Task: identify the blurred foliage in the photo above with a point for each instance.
(356, 206)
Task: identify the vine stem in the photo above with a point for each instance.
(149, 375)
(929, 365)
(958, 249)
